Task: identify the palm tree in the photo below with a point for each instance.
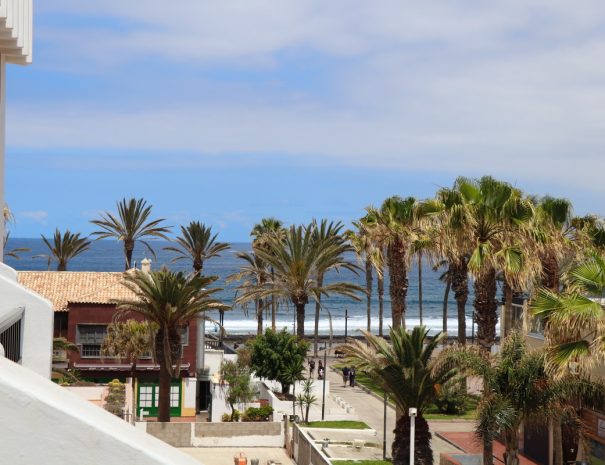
(253, 274)
(196, 243)
(405, 370)
(516, 389)
(329, 235)
(14, 253)
(130, 225)
(64, 247)
(489, 215)
(361, 241)
(170, 301)
(395, 223)
(129, 340)
(268, 227)
(295, 261)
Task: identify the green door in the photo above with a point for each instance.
(148, 399)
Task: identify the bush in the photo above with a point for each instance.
(258, 414)
(227, 418)
(451, 399)
(116, 398)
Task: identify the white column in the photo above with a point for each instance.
(2, 143)
(201, 344)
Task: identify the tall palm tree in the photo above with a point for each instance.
(362, 243)
(395, 223)
(488, 214)
(404, 368)
(129, 340)
(328, 234)
(131, 224)
(252, 275)
(64, 247)
(196, 243)
(170, 301)
(295, 260)
(268, 227)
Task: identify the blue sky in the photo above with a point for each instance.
(230, 111)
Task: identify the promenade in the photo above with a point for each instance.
(371, 410)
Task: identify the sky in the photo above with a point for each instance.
(230, 111)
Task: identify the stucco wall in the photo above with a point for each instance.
(69, 430)
(37, 321)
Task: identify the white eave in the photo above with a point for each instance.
(16, 31)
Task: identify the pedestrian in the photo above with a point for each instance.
(345, 376)
(320, 370)
(352, 377)
(311, 367)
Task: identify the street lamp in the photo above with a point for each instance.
(413, 413)
(384, 428)
(323, 395)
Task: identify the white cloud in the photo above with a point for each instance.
(38, 216)
(510, 87)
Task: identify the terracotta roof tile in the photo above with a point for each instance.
(62, 287)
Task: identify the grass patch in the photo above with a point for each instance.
(361, 462)
(342, 424)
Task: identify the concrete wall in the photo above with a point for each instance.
(305, 451)
(69, 430)
(248, 434)
(220, 407)
(37, 321)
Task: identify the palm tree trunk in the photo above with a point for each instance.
(550, 272)
(133, 372)
(300, 320)
(420, 286)
(486, 309)
(369, 291)
(398, 285)
(320, 283)
(459, 279)
(511, 454)
(380, 283)
(488, 452)
(62, 266)
(557, 441)
(508, 308)
(423, 455)
(446, 296)
(164, 395)
(259, 316)
(128, 250)
(273, 303)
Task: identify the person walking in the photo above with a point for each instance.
(345, 376)
(352, 377)
(320, 370)
(312, 367)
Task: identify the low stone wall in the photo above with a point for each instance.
(244, 434)
(460, 459)
(175, 434)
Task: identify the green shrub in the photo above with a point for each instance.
(235, 416)
(258, 414)
(116, 398)
(451, 399)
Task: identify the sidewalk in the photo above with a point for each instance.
(369, 409)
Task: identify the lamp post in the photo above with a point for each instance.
(413, 413)
(323, 395)
(384, 428)
(346, 323)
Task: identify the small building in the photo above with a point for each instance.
(84, 305)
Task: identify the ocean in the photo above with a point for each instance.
(107, 255)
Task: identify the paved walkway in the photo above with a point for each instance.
(370, 409)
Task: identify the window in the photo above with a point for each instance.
(90, 338)
(184, 332)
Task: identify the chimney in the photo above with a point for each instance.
(146, 265)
